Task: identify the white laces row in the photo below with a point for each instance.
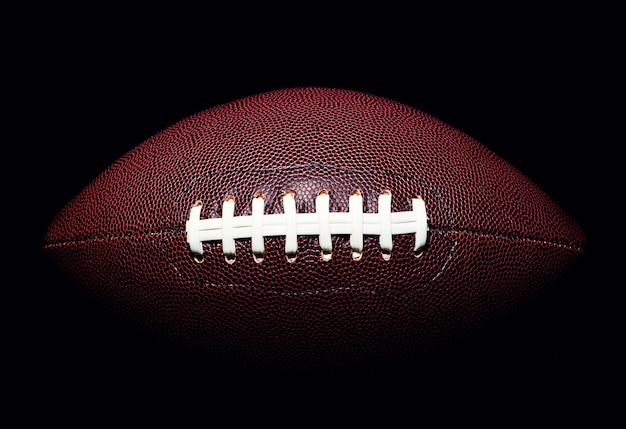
(291, 224)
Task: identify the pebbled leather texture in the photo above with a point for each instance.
(495, 238)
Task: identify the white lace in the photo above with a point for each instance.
(323, 224)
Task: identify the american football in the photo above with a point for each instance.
(312, 226)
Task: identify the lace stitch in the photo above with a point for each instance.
(322, 224)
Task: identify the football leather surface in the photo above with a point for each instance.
(312, 226)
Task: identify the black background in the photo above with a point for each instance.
(534, 85)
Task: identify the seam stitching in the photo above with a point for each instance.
(176, 230)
